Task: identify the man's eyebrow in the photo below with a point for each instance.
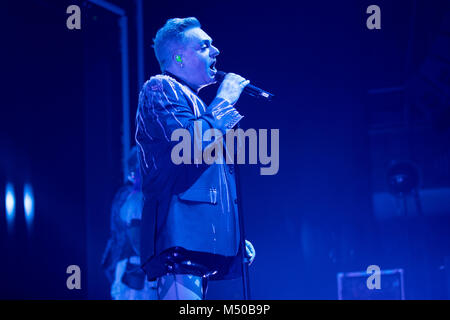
(207, 41)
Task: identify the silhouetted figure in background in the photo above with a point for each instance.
(121, 260)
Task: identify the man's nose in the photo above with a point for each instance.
(214, 52)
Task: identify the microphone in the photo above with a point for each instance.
(249, 89)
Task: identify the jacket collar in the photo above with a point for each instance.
(167, 73)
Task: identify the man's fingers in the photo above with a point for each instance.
(237, 78)
(244, 83)
(250, 252)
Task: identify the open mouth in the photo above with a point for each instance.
(212, 67)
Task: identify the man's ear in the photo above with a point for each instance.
(178, 58)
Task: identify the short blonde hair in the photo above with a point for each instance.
(170, 36)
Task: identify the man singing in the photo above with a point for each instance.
(190, 227)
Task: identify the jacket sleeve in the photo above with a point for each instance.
(164, 108)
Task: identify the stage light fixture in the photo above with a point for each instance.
(28, 204)
(10, 204)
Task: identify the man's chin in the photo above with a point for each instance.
(210, 78)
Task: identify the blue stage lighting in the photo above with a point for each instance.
(28, 204)
(10, 204)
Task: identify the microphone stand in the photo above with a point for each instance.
(244, 265)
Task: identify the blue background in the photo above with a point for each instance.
(61, 132)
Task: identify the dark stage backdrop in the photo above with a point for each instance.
(42, 144)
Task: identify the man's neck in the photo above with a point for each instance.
(181, 80)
